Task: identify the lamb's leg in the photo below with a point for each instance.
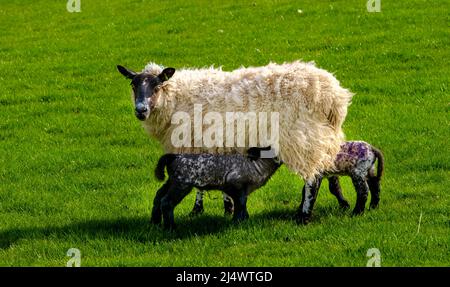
(374, 187)
(198, 205)
(228, 204)
(336, 190)
(156, 211)
(174, 196)
(309, 195)
(362, 191)
(240, 205)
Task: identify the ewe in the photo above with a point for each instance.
(307, 107)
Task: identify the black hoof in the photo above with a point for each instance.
(344, 205)
(155, 221)
(373, 205)
(303, 218)
(196, 212)
(239, 219)
(357, 212)
(169, 228)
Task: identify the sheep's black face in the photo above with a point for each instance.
(144, 88)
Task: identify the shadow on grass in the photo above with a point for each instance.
(139, 229)
(134, 229)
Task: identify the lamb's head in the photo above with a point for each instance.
(145, 86)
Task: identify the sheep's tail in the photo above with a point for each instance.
(380, 157)
(161, 166)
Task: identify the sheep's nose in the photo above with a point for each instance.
(141, 108)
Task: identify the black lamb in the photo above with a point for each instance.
(236, 175)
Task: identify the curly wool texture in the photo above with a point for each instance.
(310, 101)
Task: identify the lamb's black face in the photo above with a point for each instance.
(144, 88)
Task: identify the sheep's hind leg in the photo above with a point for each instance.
(362, 191)
(336, 190)
(309, 195)
(156, 211)
(174, 196)
(198, 205)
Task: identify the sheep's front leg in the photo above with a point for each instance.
(198, 205)
(309, 195)
(336, 190)
(362, 191)
(174, 196)
(156, 211)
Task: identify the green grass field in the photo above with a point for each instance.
(76, 166)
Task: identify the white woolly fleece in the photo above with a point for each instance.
(311, 103)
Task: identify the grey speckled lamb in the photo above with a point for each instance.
(356, 159)
(236, 175)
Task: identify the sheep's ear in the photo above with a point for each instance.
(126, 72)
(166, 74)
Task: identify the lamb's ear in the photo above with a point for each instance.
(254, 153)
(166, 74)
(126, 72)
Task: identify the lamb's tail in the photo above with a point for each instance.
(380, 157)
(161, 166)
